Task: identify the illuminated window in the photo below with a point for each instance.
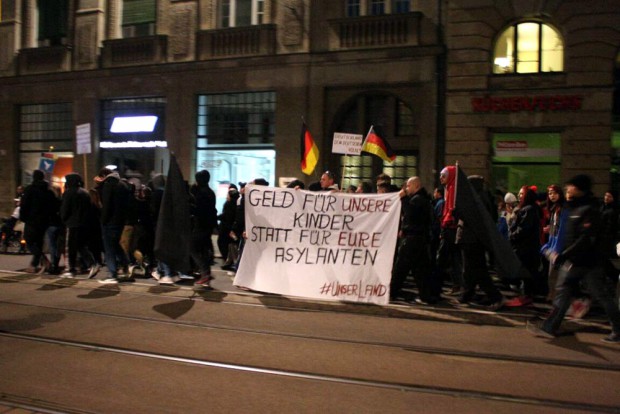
(44, 128)
(239, 13)
(139, 17)
(235, 134)
(529, 47)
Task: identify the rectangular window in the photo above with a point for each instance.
(44, 128)
(356, 169)
(353, 8)
(528, 35)
(401, 6)
(401, 169)
(235, 134)
(53, 18)
(139, 17)
(526, 159)
(377, 7)
(240, 13)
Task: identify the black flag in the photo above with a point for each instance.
(470, 208)
(172, 237)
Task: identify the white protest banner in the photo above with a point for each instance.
(320, 245)
(349, 144)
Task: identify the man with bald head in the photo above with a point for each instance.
(414, 250)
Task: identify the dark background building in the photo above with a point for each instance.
(519, 91)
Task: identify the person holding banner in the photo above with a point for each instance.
(328, 181)
(414, 250)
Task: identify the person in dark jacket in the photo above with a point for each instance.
(37, 207)
(205, 219)
(414, 250)
(524, 235)
(475, 270)
(74, 212)
(55, 235)
(581, 259)
(227, 219)
(115, 201)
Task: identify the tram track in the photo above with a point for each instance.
(439, 351)
(337, 380)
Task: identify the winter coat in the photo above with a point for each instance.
(417, 215)
(38, 205)
(76, 205)
(582, 225)
(115, 200)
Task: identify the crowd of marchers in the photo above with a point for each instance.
(565, 239)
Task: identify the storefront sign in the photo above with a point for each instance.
(331, 246)
(540, 103)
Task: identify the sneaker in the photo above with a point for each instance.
(612, 338)
(108, 281)
(166, 280)
(155, 274)
(518, 302)
(204, 281)
(538, 331)
(94, 269)
(70, 274)
(183, 276)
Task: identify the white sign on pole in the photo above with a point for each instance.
(349, 144)
(82, 139)
(329, 246)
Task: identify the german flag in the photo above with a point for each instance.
(309, 151)
(377, 145)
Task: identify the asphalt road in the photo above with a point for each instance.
(77, 346)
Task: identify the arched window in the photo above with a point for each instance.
(529, 47)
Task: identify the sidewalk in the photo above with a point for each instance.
(12, 268)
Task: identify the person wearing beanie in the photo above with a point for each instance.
(580, 259)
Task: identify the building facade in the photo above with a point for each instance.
(514, 90)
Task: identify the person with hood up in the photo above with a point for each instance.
(38, 206)
(204, 214)
(75, 213)
(449, 254)
(115, 202)
(581, 259)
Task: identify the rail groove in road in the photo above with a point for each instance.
(443, 391)
(413, 348)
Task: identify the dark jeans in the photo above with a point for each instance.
(449, 256)
(113, 250)
(78, 243)
(202, 249)
(476, 273)
(34, 236)
(413, 255)
(568, 285)
(55, 240)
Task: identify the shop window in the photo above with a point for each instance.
(528, 47)
(525, 159)
(53, 18)
(139, 18)
(44, 128)
(239, 13)
(356, 8)
(235, 134)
